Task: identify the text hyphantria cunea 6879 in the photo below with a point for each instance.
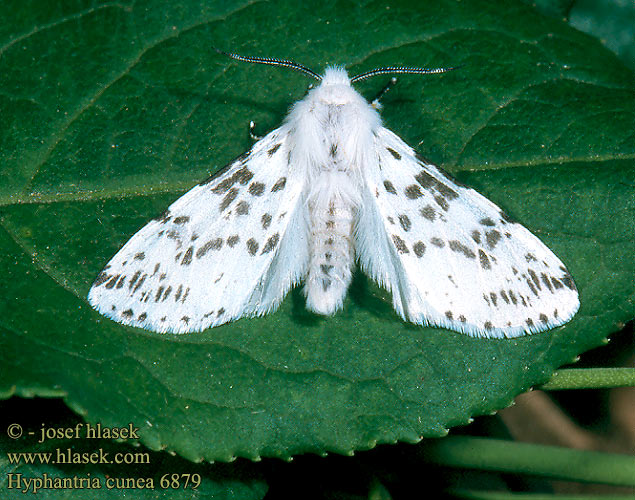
(329, 188)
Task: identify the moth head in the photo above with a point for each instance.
(335, 75)
(335, 87)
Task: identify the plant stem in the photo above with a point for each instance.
(539, 460)
(590, 378)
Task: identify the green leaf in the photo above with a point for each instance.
(111, 112)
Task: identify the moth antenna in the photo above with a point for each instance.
(398, 69)
(272, 61)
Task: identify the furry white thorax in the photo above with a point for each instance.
(331, 137)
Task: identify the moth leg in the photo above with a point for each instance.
(252, 135)
(375, 102)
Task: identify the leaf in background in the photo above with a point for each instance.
(111, 112)
(611, 21)
(554, 8)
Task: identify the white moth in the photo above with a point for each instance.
(327, 188)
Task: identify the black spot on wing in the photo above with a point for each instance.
(457, 246)
(433, 184)
(390, 187)
(557, 284)
(214, 244)
(482, 256)
(279, 185)
(252, 246)
(216, 175)
(181, 219)
(404, 220)
(492, 238)
(113, 281)
(103, 277)
(442, 202)
(265, 220)
(256, 188)
(273, 149)
(419, 248)
(425, 179)
(134, 279)
(270, 244)
(394, 153)
(446, 191)
(228, 199)
(428, 212)
(567, 280)
(164, 217)
(242, 208)
(534, 278)
(242, 176)
(413, 192)
(531, 287)
(400, 244)
(187, 258)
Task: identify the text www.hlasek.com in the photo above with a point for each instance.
(69, 456)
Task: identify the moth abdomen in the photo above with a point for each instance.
(331, 255)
